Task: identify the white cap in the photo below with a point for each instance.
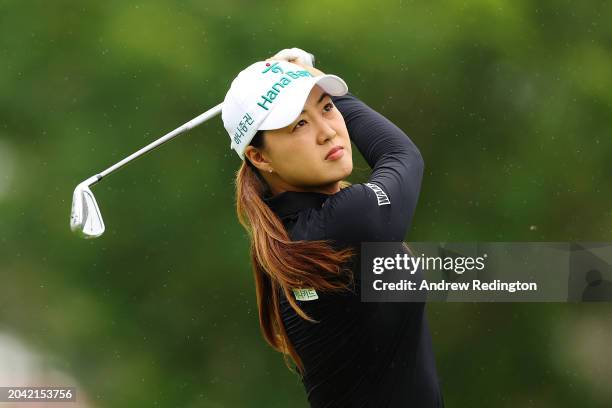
(270, 95)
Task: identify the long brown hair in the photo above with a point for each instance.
(281, 264)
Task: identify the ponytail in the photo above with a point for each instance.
(280, 264)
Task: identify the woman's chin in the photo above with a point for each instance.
(346, 169)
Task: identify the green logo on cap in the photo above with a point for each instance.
(275, 89)
(274, 68)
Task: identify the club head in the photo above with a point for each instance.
(85, 217)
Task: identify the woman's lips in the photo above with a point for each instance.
(335, 153)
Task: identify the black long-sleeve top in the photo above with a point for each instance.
(362, 354)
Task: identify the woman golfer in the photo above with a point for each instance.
(292, 126)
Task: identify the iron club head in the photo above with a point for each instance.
(85, 217)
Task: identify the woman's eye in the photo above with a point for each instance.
(296, 125)
(331, 106)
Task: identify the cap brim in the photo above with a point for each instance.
(291, 102)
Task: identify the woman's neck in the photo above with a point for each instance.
(331, 188)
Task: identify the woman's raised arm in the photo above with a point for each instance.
(382, 208)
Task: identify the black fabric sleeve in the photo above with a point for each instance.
(382, 208)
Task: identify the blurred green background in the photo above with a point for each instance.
(510, 103)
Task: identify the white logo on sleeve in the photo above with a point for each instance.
(380, 194)
(305, 294)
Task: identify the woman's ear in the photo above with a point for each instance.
(257, 158)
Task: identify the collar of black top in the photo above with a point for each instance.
(291, 202)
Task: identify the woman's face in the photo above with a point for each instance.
(299, 154)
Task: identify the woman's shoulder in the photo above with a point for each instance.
(358, 197)
(360, 212)
(357, 213)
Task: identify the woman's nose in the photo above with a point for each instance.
(326, 132)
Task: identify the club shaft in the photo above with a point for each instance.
(181, 129)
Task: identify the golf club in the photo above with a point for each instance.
(85, 217)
